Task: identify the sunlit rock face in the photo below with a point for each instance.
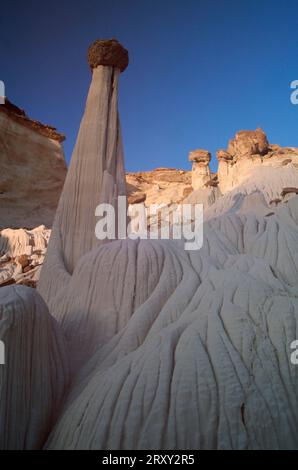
(33, 170)
(160, 186)
(247, 152)
(200, 168)
(247, 143)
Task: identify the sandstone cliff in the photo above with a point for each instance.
(248, 153)
(33, 170)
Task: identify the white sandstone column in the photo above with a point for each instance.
(96, 173)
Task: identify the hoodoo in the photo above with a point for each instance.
(96, 173)
(200, 167)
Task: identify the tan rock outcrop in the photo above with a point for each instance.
(160, 186)
(17, 114)
(248, 151)
(136, 198)
(248, 143)
(33, 170)
(200, 168)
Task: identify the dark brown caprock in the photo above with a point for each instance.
(108, 52)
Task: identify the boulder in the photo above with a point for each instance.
(136, 198)
(248, 143)
(200, 156)
(109, 53)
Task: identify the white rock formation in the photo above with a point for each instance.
(22, 254)
(171, 349)
(248, 151)
(33, 170)
(96, 173)
(35, 374)
(194, 354)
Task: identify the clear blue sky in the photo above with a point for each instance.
(199, 70)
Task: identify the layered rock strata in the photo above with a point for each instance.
(33, 170)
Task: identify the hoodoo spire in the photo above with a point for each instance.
(96, 173)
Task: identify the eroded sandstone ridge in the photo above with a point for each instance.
(248, 151)
(33, 170)
(247, 157)
(166, 348)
